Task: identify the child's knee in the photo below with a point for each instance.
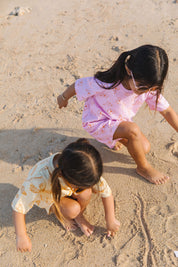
(133, 131)
(70, 207)
(74, 210)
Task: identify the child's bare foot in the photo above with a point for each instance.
(152, 175)
(117, 146)
(84, 225)
(69, 224)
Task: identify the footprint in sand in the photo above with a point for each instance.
(172, 221)
(173, 148)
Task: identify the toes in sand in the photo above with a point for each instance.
(118, 146)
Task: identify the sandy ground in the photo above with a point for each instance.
(41, 53)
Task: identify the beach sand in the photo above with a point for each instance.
(41, 53)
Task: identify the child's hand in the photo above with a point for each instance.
(62, 102)
(23, 243)
(112, 227)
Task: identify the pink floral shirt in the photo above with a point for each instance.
(105, 109)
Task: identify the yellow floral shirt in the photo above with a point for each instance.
(36, 190)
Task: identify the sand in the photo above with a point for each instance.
(41, 53)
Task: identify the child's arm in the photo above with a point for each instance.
(62, 99)
(23, 242)
(111, 223)
(172, 118)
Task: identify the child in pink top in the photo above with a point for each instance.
(113, 97)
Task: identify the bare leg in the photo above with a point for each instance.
(135, 146)
(84, 198)
(68, 208)
(124, 141)
(72, 210)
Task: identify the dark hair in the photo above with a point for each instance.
(148, 63)
(80, 164)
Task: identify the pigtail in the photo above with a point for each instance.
(56, 192)
(163, 65)
(158, 92)
(115, 75)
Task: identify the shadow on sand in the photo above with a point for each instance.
(26, 147)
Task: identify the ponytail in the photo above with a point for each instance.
(56, 192)
(116, 74)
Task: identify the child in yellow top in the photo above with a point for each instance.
(63, 184)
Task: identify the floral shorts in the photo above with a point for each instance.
(103, 131)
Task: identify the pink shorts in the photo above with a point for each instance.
(103, 130)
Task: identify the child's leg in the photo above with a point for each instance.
(84, 198)
(144, 140)
(69, 209)
(72, 210)
(131, 132)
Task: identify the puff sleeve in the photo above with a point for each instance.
(28, 195)
(87, 87)
(102, 188)
(151, 101)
